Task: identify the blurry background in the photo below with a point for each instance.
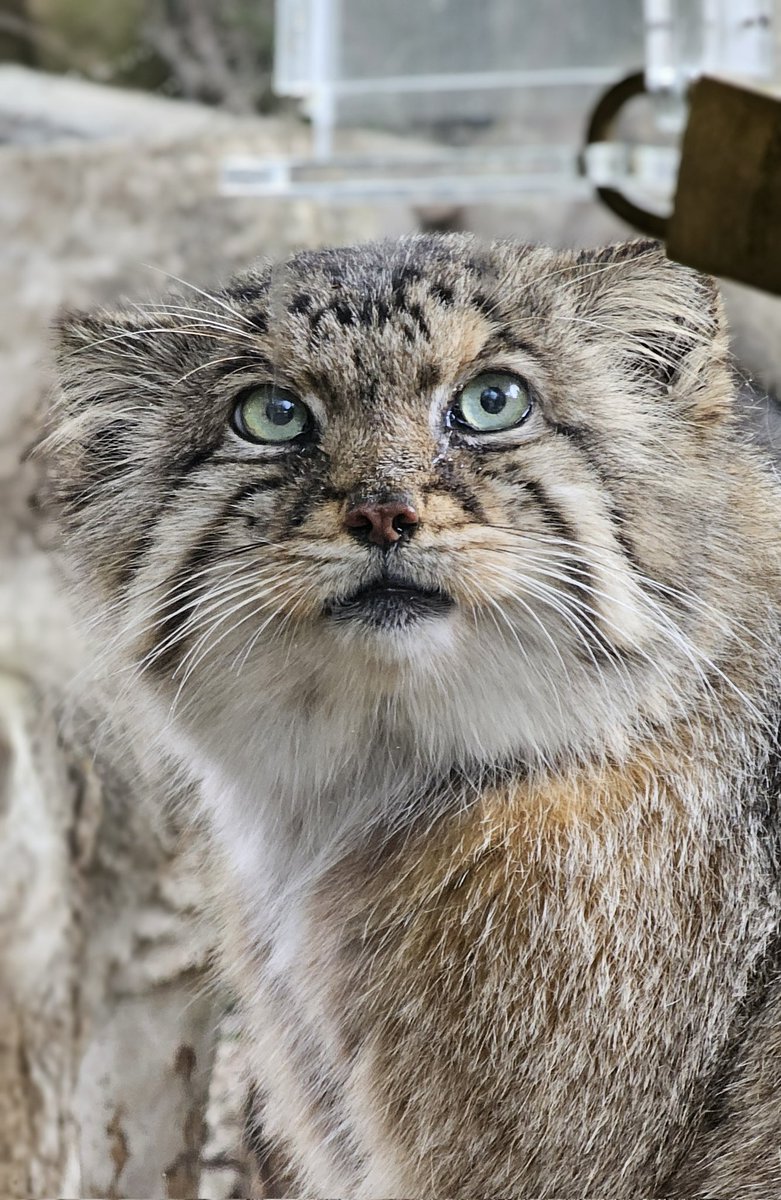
(144, 139)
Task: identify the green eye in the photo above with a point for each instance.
(492, 401)
(270, 414)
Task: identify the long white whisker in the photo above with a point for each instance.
(696, 658)
(546, 633)
(193, 657)
(201, 292)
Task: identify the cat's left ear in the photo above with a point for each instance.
(664, 322)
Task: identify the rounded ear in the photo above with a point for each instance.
(105, 447)
(664, 321)
(90, 424)
(124, 431)
(98, 353)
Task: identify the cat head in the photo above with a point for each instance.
(468, 501)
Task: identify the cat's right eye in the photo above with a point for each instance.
(270, 414)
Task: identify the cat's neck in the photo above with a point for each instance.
(283, 815)
(285, 809)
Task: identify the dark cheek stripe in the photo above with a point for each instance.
(450, 482)
(180, 478)
(257, 487)
(312, 491)
(132, 554)
(551, 511)
(170, 631)
(595, 460)
(581, 583)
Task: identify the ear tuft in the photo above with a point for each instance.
(108, 333)
(622, 251)
(74, 329)
(664, 323)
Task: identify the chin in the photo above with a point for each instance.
(419, 643)
(394, 621)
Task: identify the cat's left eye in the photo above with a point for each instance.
(491, 402)
(271, 414)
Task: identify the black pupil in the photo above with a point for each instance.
(280, 411)
(493, 400)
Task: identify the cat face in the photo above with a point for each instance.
(455, 498)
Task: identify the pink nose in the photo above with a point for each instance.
(382, 524)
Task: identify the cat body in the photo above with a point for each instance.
(446, 571)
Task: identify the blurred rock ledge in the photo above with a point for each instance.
(36, 107)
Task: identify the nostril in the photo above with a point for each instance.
(406, 519)
(382, 524)
(358, 518)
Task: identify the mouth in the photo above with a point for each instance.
(390, 604)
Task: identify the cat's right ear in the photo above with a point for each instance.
(105, 426)
(75, 330)
(99, 354)
(89, 425)
(110, 435)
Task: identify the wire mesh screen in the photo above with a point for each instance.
(456, 68)
(426, 37)
(494, 95)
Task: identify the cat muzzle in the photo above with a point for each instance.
(390, 603)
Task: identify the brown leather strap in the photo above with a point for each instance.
(600, 129)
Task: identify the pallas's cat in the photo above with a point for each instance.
(446, 571)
